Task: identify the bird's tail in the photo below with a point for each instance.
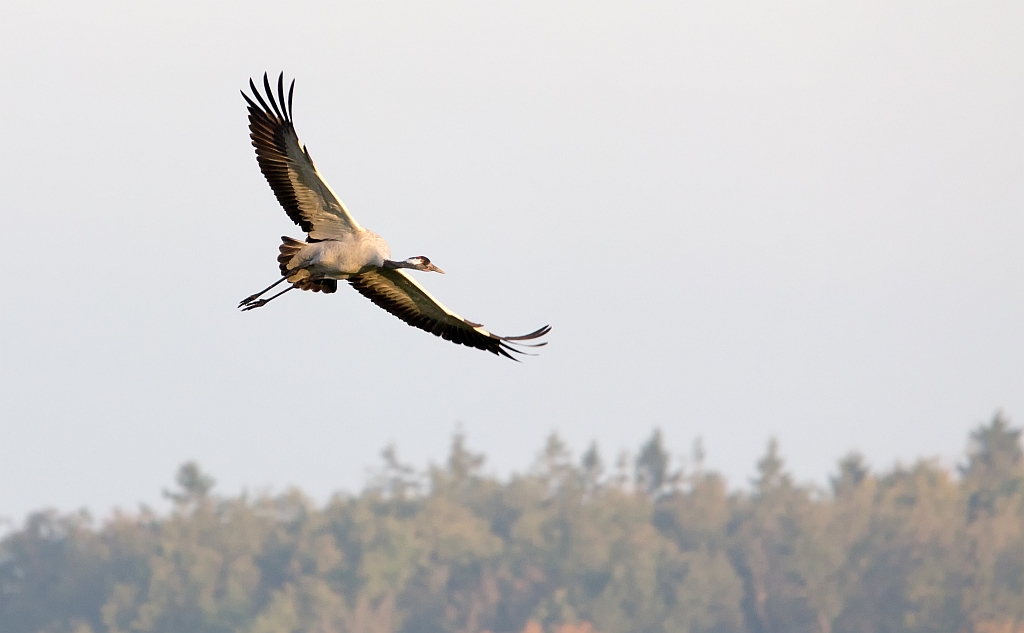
(289, 247)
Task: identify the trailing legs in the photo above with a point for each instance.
(251, 305)
(252, 298)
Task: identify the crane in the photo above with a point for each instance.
(337, 247)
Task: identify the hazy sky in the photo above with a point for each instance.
(793, 220)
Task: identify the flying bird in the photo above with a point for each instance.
(337, 247)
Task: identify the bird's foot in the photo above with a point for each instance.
(248, 299)
(252, 305)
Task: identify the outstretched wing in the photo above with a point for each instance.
(398, 293)
(285, 162)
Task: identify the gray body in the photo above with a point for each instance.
(354, 253)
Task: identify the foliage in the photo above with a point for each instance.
(563, 548)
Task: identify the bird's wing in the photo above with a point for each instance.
(306, 197)
(398, 293)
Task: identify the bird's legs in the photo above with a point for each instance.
(252, 298)
(262, 302)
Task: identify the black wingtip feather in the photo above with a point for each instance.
(256, 93)
(270, 95)
(280, 96)
(291, 92)
(526, 337)
(501, 351)
(248, 100)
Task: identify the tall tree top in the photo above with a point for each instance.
(193, 484)
(995, 465)
(652, 465)
(771, 470)
(993, 450)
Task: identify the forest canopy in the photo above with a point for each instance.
(569, 546)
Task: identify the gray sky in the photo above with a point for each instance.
(793, 220)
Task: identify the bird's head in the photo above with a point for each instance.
(422, 263)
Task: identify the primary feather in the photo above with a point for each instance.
(306, 197)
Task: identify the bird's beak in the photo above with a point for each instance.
(435, 269)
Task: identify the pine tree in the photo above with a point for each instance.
(995, 465)
(652, 465)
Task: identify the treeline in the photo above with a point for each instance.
(568, 547)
